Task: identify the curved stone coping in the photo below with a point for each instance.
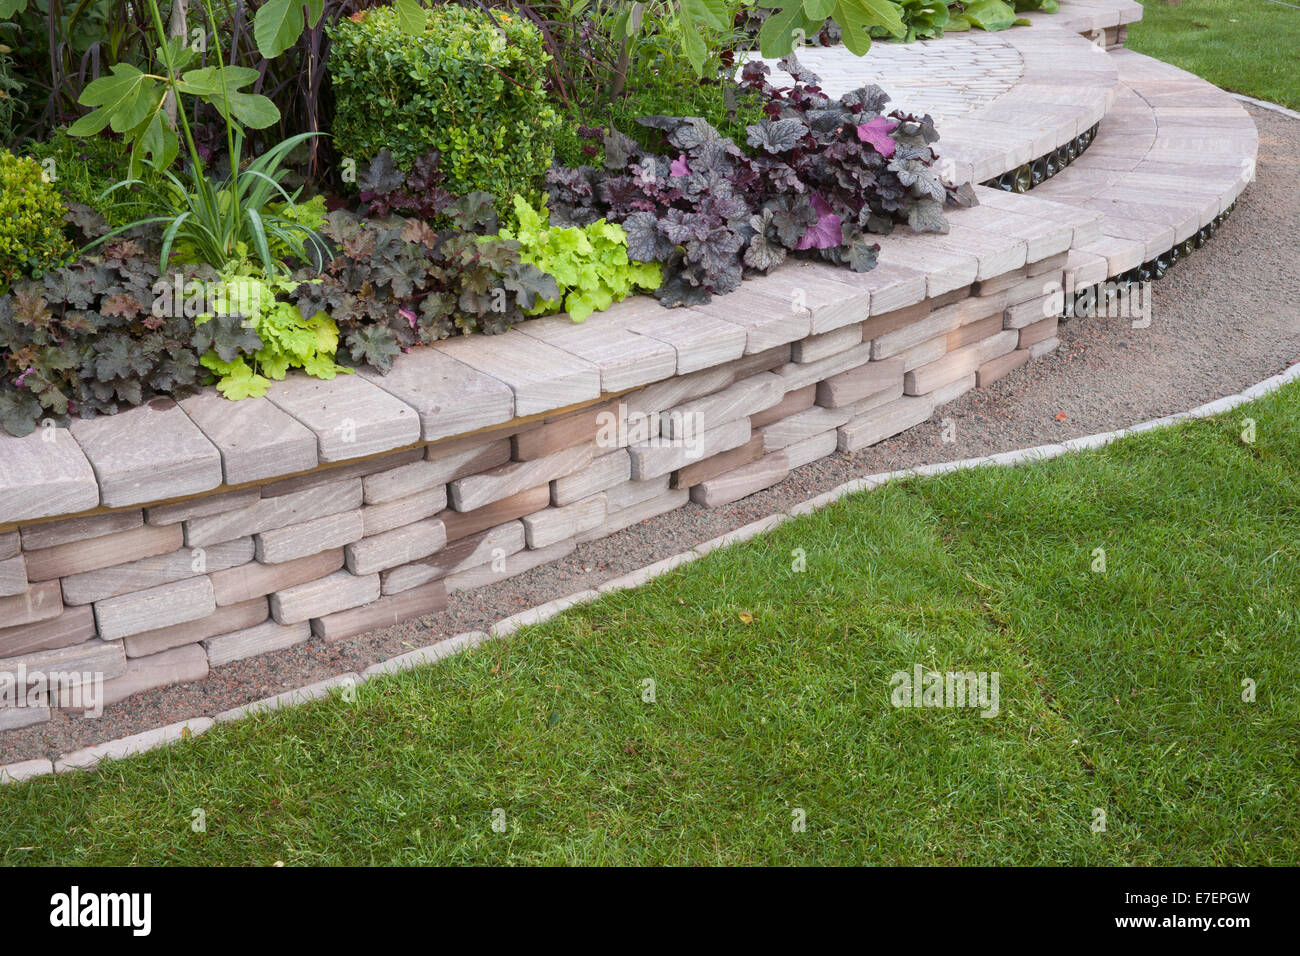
(1173, 153)
(164, 451)
(87, 758)
(1089, 16)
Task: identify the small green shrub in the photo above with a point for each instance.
(589, 263)
(32, 238)
(460, 88)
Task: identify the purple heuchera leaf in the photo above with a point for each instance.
(678, 167)
(877, 133)
(825, 232)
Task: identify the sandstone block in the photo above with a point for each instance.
(258, 639)
(148, 610)
(254, 579)
(278, 512)
(91, 554)
(636, 514)
(376, 519)
(1038, 332)
(223, 620)
(884, 422)
(256, 439)
(796, 401)
(399, 546)
(566, 431)
(476, 491)
(385, 612)
(604, 472)
(91, 586)
(746, 480)
(13, 576)
(202, 507)
(40, 602)
(279, 545)
(810, 449)
(661, 456)
(462, 524)
(994, 369)
(495, 544)
(747, 397)
(958, 364)
(634, 492)
(856, 384)
(1030, 312)
(75, 625)
(148, 453)
(50, 534)
(553, 525)
(805, 424)
(817, 347)
(700, 471)
(337, 592)
(39, 478)
(491, 572)
(351, 418)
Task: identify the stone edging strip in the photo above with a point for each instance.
(1264, 104)
(88, 757)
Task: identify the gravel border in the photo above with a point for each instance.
(1225, 318)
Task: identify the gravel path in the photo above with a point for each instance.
(1223, 320)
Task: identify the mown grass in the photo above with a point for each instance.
(1247, 46)
(1120, 691)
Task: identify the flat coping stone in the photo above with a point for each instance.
(42, 474)
(450, 397)
(257, 439)
(351, 417)
(148, 453)
(542, 376)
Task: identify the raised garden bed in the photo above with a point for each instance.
(146, 545)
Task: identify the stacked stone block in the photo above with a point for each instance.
(155, 595)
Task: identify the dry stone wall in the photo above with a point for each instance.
(157, 594)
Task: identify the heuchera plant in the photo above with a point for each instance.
(252, 338)
(589, 263)
(398, 282)
(85, 339)
(822, 176)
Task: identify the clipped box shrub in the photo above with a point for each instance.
(460, 87)
(32, 239)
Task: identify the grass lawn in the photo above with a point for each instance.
(1247, 46)
(1120, 691)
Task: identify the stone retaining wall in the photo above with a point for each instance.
(155, 595)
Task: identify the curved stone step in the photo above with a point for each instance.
(1171, 155)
